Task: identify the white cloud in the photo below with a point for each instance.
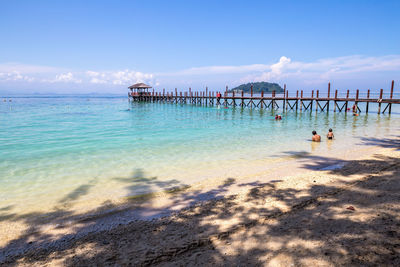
(19, 72)
(355, 69)
(327, 69)
(299, 72)
(124, 77)
(98, 81)
(276, 70)
(63, 78)
(15, 76)
(92, 73)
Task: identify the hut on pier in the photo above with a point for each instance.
(139, 89)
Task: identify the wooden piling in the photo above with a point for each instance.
(301, 100)
(312, 97)
(347, 101)
(335, 102)
(380, 101)
(297, 99)
(316, 101)
(356, 101)
(391, 97)
(273, 100)
(285, 98)
(226, 96)
(329, 96)
(366, 109)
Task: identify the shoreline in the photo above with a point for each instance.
(158, 200)
(61, 233)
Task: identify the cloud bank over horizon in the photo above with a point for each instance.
(348, 72)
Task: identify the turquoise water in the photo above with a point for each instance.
(56, 152)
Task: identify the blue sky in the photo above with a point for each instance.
(103, 46)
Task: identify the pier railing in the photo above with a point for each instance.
(297, 100)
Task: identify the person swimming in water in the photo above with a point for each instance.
(330, 134)
(355, 109)
(316, 137)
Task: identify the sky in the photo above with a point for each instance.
(104, 46)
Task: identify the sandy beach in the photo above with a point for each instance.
(199, 133)
(322, 211)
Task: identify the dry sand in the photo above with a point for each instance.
(322, 216)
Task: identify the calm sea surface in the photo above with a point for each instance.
(58, 151)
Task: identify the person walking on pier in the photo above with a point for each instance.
(316, 137)
(218, 98)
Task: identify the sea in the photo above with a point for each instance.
(75, 151)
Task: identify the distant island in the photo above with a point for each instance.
(266, 87)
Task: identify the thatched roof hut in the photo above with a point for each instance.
(139, 89)
(139, 86)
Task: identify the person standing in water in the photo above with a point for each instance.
(330, 134)
(316, 137)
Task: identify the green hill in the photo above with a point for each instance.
(266, 87)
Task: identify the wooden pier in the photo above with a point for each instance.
(285, 101)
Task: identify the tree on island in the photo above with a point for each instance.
(266, 87)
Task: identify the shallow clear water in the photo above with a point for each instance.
(57, 151)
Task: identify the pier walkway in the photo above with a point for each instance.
(299, 101)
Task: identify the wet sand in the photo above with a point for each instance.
(319, 210)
